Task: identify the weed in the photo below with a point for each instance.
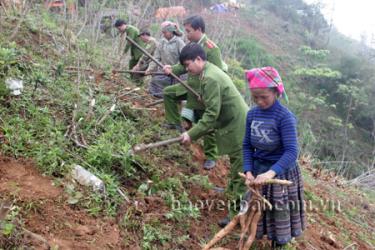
(94, 210)
(253, 53)
(370, 195)
(368, 237)
(74, 196)
(171, 185)
(181, 239)
(182, 212)
(9, 234)
(145, 188)
(153, 235)
(345, 235)
(181, 207)
(130, 221)
(199, 180)
(32, 206)
(310, 196)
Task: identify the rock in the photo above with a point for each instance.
(328, 238)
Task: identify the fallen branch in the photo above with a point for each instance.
(78, 144)
(90, 112)
(220, 248)
(365, 180)
(141, 108)
(154, 103)
(36, 236)
(20, 22)
(4, 9)
(72, 68)
(139, 97)
(123, 195)
(136, 72)
(4, 210)
(113, 107)
(107, 113)
(71, 131)
(127, 93)
(83, 138)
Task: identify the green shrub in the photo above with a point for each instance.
(252, 54)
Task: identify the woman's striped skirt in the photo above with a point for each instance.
(287, 217)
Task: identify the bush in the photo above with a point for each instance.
(252, 54)
(237, 74)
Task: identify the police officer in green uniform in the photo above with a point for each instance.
(133, 33)
(144, 61)
(195, 32)
(225, 111)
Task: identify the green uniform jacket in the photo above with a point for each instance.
(132, 32)
(213, 56)
(225, 110)
(150, 47)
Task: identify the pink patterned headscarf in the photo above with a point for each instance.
(266, 77)
(167, 23)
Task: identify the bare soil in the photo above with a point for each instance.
(48, 214)
(69, 227)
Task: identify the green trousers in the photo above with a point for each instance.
(132, 62)
(136, 77)
(134, 58)
(172, 96)
(236, 185)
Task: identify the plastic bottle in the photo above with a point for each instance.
(14, 85)
(86, 178)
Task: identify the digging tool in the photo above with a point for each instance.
(142, 147)
(161, 65)
(137, 72)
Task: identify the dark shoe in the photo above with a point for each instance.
(209, 164)
(224, 222)
(173, 126)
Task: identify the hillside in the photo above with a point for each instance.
(51, 126)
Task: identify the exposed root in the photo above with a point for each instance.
(223, 232)
(245, 228)
(253, 230)
(248, 219)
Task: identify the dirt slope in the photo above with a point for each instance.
(46, 213)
